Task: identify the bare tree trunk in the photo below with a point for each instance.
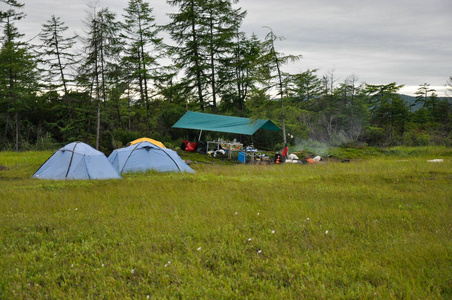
(63, 79)
(88, 129)
(16, 120)
(145, 80)
(212, 68)
(96, 74)
(98, 123)
(97, 110)
(281, 93)
(5, 134)
(129, 110)
(196, 54)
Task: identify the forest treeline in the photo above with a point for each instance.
(124, 80)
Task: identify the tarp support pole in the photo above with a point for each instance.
(200, 136)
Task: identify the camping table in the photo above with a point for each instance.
(215, 143)
(231, 147)
(251, 154)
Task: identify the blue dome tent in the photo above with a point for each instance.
(145, 156)
(77, 160)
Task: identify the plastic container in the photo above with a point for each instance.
(242, 157)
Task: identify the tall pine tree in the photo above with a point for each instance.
(57, 57)
(18, 78)
(184, 29)
(143, 49)
(272, 62)
(100, 62)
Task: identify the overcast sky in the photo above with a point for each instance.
(404, 41)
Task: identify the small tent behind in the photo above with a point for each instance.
(77, 160)
(146, 156)
(145, 139)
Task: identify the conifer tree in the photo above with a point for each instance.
(387, 107)
(204, 32)
(305, 86)
(220, 24)
(184, 29)
(100, 62)
(18, 77)
(12, 4)
(57, 57)
(238, 73)
(143, 49)
(272, 62)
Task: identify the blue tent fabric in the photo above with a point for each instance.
(211, 122)
(77, 160)
(145, 156)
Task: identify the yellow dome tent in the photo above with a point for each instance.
(157, 143)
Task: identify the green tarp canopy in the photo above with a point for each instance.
(210, 122)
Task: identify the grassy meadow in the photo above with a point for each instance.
(376, 227)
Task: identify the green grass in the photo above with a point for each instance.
(372, 228)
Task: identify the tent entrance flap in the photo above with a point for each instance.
(219, 123)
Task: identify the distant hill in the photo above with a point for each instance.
(411, 100)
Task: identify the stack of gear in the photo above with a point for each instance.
(314, 160)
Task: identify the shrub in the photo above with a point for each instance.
(375, 136)
(416, 138)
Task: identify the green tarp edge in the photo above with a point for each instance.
(211, 122)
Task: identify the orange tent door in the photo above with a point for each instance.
(157, 143)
